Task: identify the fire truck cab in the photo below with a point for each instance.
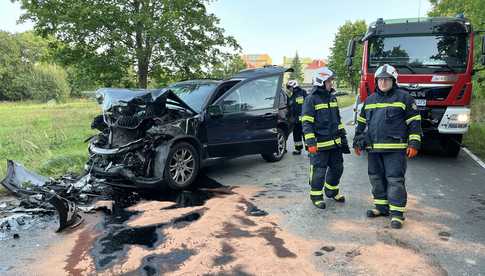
(434, 58)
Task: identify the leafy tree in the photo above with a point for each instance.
(297, 74)
(473, 10)
(228, 67)
(20, 57)
(46, 82)
(338, 52)
(156, 37)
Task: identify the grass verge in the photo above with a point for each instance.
(346, 100)
(474, 139)
(46, 138)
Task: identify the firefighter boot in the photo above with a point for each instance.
(397, 222)
(317, 199)
(373, 213)
(339, 198)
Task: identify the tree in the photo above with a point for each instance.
(473, 10)
(44, 82)
(338, 52)
(297, 73)
(24, 72)
(156, 37)
(228, 67)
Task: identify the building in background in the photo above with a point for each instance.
(305, 61)
(311, 68)
(256, 60)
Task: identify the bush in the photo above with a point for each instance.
(27, 72)
(44, 82)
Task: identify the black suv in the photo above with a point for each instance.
(153, 138)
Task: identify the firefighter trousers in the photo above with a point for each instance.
(326, 168)
(386, 174)
(298, 136)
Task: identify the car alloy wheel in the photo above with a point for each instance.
(182, 166)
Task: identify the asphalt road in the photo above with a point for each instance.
(445, 223)
(444, 232)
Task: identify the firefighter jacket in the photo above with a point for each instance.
(388, 122)
(322, 126)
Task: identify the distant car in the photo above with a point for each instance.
(154, 138)
(340, 93)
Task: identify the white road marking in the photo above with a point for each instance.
(474, 157)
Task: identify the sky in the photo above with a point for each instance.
(279, 27)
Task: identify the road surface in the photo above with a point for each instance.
(444, 231)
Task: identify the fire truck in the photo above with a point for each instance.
(434, 58)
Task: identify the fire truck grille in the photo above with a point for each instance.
(429, 93)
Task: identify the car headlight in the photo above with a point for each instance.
(463, 118)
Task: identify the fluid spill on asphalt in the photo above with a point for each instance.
(252, 210)
(158, 264)
(226, 256)
(117, 237)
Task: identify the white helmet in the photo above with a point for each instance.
(292, 84)
(386, 71)
(321, 75)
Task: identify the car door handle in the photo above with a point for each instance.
(269, 116)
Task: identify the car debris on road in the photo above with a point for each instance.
(37, 196)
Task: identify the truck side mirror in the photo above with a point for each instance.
(348, 62)
(350, 53)
(483, 51)
(215, 111)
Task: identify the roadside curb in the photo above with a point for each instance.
(475, 158)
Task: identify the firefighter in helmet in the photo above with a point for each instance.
(389, 128)
(297, 99)
(325, 139)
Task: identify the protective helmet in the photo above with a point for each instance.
(386, 71)
(321, 75)
(292, 84)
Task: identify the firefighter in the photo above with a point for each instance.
(297, 99)
(389, 128)
(325, 139)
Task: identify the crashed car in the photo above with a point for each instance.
(162, 137)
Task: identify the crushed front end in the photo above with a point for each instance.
(136, 129)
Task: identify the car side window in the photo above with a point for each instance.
(283, 99)
(254, 95)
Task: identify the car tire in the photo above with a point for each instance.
(452, 145)
(182, 166)
(277, 156)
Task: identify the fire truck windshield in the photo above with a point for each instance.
(420, 54)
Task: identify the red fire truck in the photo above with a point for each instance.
(434, 58)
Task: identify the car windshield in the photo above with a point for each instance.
(420, 54)
(194, 93)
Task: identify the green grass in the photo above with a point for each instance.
(347, 100)
(474, 139)
(46, 138)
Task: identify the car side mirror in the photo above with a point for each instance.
(483, 51)
(215, 110)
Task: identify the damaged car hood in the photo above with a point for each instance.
(110, 97)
